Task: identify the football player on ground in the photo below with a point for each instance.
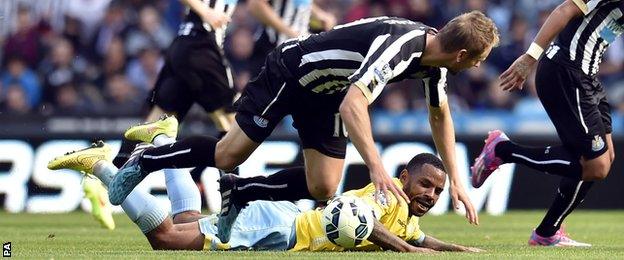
(269, 225)
(326, 82)
(576, 103)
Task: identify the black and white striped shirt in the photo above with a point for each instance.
(368, 53)
(192, 21)
(294, 13)
(584, 40)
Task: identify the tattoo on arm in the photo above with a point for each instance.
(382, 237)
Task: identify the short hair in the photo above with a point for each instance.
(414, 165)
(471, 31)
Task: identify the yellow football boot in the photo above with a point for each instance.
(167, 125)
(101, 208)
(83, 160)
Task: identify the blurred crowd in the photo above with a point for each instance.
(102, 57)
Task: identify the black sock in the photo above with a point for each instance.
(124, 152)
(288, 184)
(569, 195)
(194, 151)
(555, 160)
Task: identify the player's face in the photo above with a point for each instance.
(423, 189)
(465, 61)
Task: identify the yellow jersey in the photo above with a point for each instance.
(394, 215)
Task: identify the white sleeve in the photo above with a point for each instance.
(435, 88)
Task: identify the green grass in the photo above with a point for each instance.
(76, 235)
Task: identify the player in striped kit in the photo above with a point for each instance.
(576, 104)
(282, 20)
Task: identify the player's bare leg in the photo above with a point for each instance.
(323, 174)
(233, 149)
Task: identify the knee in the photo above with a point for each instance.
(322, 191)
(597, 171)
(227, 160)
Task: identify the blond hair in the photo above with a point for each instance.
(472, 31)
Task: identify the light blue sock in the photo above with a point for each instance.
(142, 208)
(181, 189)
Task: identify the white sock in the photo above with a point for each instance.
(142, 208)
(181, 189)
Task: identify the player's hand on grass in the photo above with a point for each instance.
(513, 78)
(458, 194)
(383, 183)
(216, 19)
(425, 250)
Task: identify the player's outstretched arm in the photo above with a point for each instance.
(215, 18)
(513, 78)
(267, 16)
(327, 18)
(443, 133)
(382, 237)
(438, 245)
(354, 113)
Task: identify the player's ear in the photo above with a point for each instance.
(462, 55)
(404, 176)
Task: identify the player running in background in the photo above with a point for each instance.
(282, 20)
(322, 80)
(576, 103)
(268, 225)
(195, 71)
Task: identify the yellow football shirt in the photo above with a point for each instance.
(394, 215)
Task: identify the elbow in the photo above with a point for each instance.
(345, 108)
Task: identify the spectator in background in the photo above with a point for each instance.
(504, 55)
(394, 102)
(19, 75)
(69, 102)
(496, 98)
(423, 11)
(238, 51)
(143, 71)
(471, 86)
(113, 26)
(60, 67)
(72, 31)
(89, 13)
(114, 62)
(16, 102)
(122, 97)
(25, 40)
(150, 32)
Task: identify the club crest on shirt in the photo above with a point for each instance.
(597, 143)
(382, 74)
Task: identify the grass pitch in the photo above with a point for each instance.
(76, 235)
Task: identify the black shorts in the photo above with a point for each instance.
(195, 71)
(577, 105)
(273, 94)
